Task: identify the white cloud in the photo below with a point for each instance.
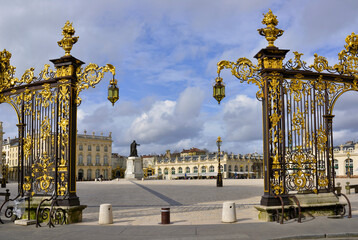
(243, 119)
(169, 121)
(166, 54)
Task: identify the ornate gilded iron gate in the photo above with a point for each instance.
(46, 107)
(297, 103)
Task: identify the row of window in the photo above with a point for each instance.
(89, 159)
(89, 148)
(203, 169)
(89, 174)
(348, 163)
(187, 170)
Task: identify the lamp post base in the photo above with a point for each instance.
(219, 180)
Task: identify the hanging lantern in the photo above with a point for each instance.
(219, 89)
(113, 91)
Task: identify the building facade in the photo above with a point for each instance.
(10, 149)
(94, 157)
(119, 164)
(93, 160)
(346, 159)
(206, 166)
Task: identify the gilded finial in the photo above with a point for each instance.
(352, 44)
(5, 56)
(68, 40)
(271, 33)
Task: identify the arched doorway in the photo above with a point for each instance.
(80, 174)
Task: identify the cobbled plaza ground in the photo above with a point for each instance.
(195, 212)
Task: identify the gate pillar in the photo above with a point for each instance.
(271, 59)
(66, 68)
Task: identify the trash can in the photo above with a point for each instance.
(165, 215)
(105, 214)
(228, 212)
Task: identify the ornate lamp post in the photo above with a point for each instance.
(219, 180)
(349, 167)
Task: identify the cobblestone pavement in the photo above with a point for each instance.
(195, 207)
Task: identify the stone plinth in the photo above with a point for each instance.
(134, 168)
(73, 213)
(323, 204)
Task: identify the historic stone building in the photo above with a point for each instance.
(118, 165)
(206, 166)
(346, 159)
(10, 148)
(94, 154)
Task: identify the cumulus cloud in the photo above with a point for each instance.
(165, 53)
(169, 121)
(242, 118)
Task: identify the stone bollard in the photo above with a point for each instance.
(229, 212)
(165, 215)
(105, 214)
(348, 188)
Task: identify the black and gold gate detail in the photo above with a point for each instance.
(46, 107)
(297, 103)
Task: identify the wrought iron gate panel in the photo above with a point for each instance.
(46, 107)
(297, 104)
(43, 145)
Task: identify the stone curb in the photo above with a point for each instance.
(319, 236)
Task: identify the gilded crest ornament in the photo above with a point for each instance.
(271, 33)
(68, 40)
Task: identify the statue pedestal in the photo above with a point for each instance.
(134, 168)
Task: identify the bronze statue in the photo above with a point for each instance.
(134, 152)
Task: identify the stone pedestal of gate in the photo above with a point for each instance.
(323, 204)
(134, 168)
(73, 213)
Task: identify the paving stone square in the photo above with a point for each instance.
(195, 212)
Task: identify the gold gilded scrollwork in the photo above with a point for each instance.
(298, 121)
(322, 179)
(45, 128)
(320, 64)
(348, 57)
(91, 75)
(300, 179)
(272, 63)
(42, 172)
(45, 73)
(27, 184)
(64, 71)
(27, 145)
(47, 96)
(278, 188)
(244, 70)
(321, 139)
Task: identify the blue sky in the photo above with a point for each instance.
(165, 53)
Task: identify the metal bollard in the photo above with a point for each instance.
(165, 215)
